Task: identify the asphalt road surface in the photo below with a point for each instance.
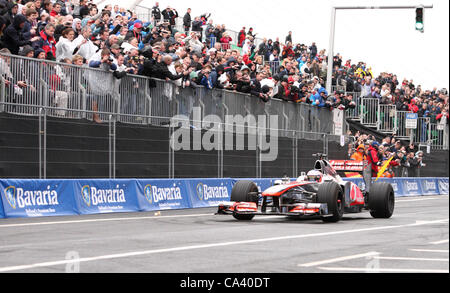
(414, 240)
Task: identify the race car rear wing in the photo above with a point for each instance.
(362, 167)
(347, 165)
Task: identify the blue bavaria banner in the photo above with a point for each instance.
(262, 183)
(443, 185)
(429, 186)
(411, 187)
(2, 214)
(396, 185)
(106, 196)
(208, 192)
(155, 195)
(37, 198)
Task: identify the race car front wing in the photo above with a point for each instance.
(250, 208)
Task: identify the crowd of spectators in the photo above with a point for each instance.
(407, 159)
(115, 39)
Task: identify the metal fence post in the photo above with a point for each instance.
(42, 143)
(112, 146)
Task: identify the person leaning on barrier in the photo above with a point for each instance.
(161, 70)
(348, 102)
(257, 90)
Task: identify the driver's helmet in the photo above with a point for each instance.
(314, 175)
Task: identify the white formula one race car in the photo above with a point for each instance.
(321, 192)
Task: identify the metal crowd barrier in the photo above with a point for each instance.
(355, 114)
(386, 118)
(369, 112)
(400, 126)
(69, 91)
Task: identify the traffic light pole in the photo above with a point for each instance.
(333, 25)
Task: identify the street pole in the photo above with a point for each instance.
(332, 31)
(331, 50)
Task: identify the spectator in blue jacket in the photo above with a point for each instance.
(319, 98)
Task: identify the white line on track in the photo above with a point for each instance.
(153, 217)
(211, 245)
(410, 258)
(339, 259)
(400, 200)
(430, 250)
(102, 220)
(381, 270)
(439, 242)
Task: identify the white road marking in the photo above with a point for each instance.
(339, 259)
(439, 242)
(400, 200)
(430, 250)
(417, 199)
(211, 245)
(382, 270)
(410, 258)
(102, 220)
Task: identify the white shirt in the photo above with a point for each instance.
(64, 49)
(87, 50)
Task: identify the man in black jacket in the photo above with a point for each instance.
(187, 21)
(13, 37)
(156, 13)
(161, 70)
(256, 88)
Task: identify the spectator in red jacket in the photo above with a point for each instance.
(47, 42)
(225, 40)
(56, 11)
(372, 157)
(413, 107)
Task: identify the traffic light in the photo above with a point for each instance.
(419, 19)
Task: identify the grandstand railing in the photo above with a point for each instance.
(69, 91)
(74, 92)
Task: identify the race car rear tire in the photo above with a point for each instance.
(381, 200)
(332, 194)
(245, 191)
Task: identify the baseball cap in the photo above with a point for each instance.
(138, 25)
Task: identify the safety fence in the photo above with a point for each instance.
(42, 198)
(68, 91)
(180, 147)
(30, 86)
(386, 119)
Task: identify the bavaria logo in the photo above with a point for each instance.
(95, 196)
(429, 185)
(86, 194)
(148, 193)
(199, 190)
(20, 198)
(411, 186)
(10, 194)
(205, 192)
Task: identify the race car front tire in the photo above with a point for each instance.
(331, 194)
(245, 191)
(381, 200)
